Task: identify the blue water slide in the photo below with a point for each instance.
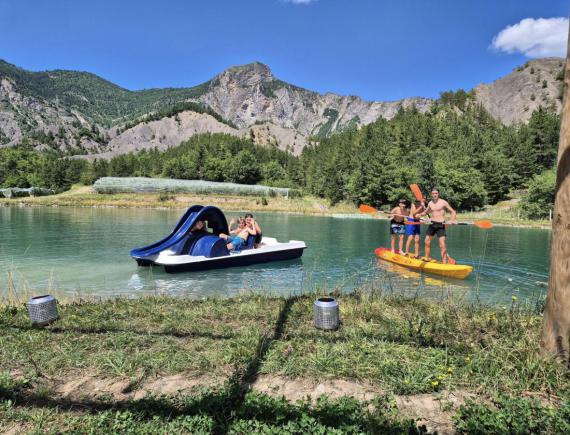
(180, 230)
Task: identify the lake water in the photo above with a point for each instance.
(85, 251)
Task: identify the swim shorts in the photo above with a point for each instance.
(413, 230)
(237, 241)
(436, 228)
(397, 229)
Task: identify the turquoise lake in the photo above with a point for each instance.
(85, 251)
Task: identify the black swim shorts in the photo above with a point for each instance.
(436, 228)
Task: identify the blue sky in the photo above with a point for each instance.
(379, 50)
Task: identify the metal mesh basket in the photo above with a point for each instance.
(326, 313)
(42, 310)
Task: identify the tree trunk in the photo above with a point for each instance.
(556, 328)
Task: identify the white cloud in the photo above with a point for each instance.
(532, 37)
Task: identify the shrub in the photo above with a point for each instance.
(540, 198)
(165, 197)
(512, 415)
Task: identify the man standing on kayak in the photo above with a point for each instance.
(437, 207)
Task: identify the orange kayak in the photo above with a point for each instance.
(459, 271)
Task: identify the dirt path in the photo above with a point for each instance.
(435, 411)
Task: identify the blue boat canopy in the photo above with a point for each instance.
(177, 239)
(214, 217)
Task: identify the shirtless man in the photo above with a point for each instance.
(397, 226)
(437, 208)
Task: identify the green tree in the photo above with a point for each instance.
(214, 169)
(540, 197)
(243, 168)
(273, 172)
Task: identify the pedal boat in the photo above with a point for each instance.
(184, 251)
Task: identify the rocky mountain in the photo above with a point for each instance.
(85, 114)
(514, 97)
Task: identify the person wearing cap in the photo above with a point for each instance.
(397, 225)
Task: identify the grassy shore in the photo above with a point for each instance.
(256, 364)
(504, 213)
(84, 196)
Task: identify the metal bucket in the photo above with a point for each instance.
(326, 314)
(42, 310)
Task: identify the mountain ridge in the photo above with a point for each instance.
(84, 114)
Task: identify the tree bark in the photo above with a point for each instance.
(556, 328)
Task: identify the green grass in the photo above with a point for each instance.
(398, 345)
(409, 346)
(221, 411)
(124, 337)
(84, 196)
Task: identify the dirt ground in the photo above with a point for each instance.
(432, 410)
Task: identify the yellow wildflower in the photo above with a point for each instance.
(450, 370)
(514, 298)
(434, 383)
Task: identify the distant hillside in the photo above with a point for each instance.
(514, 97)
(82, 113)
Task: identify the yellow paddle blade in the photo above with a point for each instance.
(366, 209)
(485, 224)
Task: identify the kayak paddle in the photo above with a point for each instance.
(483, 224)
(416, 191)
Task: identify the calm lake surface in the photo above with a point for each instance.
(85, 251)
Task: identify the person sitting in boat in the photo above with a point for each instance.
(413, 230)
(250, 221)
(397, 226)
(237, 238)
(199, 226)
(240, 224)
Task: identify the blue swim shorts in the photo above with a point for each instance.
(237, 241)
(413, 230)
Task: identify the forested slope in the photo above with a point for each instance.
(456, 146)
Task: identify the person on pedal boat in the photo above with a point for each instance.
(397, 226)
(437, 207)
(250, 221)
(238, 237)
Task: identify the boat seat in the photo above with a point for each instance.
(210, 246)
(191, 241)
